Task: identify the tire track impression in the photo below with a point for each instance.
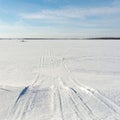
(94, 93)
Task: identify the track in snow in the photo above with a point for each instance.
(64, 98)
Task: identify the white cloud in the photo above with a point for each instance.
(38, 31)
(67, 13)
(72, 22)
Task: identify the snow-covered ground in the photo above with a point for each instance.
(60, 80)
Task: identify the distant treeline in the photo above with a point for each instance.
(104, 38)
(94, 38)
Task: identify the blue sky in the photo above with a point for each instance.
(59, 18)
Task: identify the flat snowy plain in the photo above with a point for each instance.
(60, 80)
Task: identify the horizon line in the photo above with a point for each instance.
(58, 38)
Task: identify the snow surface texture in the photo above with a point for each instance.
(59, 80)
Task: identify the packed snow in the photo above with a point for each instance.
(59, 80)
